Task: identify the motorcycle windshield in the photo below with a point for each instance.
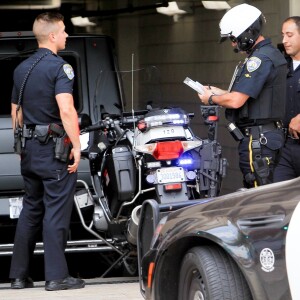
(138, 88)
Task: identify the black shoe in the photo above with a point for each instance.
(69, 283)
(21, 283)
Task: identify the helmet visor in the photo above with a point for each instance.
(225, 37)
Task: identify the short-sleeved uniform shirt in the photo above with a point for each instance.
(51, 76)
(256, 70)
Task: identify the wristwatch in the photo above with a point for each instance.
(210, 101)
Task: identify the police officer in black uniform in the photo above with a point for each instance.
(42, 95)
(255, 100)
(289, 163)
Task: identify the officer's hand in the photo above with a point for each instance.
(216, 90)
(75, 154)
(204, 97)
(294, 127)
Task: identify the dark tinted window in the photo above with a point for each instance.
(7, 66)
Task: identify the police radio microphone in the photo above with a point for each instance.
(235, 50)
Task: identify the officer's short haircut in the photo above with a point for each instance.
(295, 19)
(43, 24)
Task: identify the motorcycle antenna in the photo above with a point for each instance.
(132, 72)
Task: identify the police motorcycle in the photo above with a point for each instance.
(148, 154)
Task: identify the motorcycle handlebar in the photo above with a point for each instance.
(105, 124)
(109, 123)
(100, 126)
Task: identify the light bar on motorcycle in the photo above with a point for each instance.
(185, 161)
(167, 150)
(174, 119)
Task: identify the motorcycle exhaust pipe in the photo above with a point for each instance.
(132, 229)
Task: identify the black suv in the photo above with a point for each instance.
(97, 89)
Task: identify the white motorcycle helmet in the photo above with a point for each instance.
(243, 24)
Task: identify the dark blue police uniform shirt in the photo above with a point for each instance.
(292, 108)
(256, 70)
(50, 77)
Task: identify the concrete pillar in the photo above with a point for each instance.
(294, 8)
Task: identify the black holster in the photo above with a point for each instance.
(262, 170)
(62, 142)
(18, 140)
(63, 148)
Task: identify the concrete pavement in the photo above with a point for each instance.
(95, 289)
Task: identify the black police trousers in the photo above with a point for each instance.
(47, 206)
(271, 149)
(289, 163)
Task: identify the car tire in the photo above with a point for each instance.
(209, 273)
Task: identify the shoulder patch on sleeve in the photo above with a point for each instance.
(69, 71)
(253, 63)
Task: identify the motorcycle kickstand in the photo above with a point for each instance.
(114, 264)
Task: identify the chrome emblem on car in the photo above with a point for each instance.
(267, 260)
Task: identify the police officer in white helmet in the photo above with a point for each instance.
(255, 99)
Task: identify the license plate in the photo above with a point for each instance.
(15, 207)
(166, 175)
(169, 131)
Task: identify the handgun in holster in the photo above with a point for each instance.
(63, 148)
(56, 129)
(262, 170)
(62, 142)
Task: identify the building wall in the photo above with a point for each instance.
(189, 47)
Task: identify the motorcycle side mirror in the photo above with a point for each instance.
(84, 121)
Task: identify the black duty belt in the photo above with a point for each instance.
(36, 131)
(256, 130)
(29, 131)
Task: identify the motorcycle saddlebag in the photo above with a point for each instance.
(122, 173)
